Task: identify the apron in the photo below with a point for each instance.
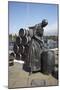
(35, 50)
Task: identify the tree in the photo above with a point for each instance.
(14, 37)
(10, 37)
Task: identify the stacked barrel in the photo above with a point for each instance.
(21, 45)
(55, 69)
(47, 62)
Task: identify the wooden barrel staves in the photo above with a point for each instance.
(24, 40)
(21, 49)
(18, 40)
(47, 62)
(29, 38)
(18, 56)
(15, 48)
(21, 32)
(30, 32)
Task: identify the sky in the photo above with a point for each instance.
(23, 15)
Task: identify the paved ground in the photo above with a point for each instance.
(20, 78)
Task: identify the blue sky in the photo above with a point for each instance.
(23, 15)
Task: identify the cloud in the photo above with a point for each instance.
(51, 29)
